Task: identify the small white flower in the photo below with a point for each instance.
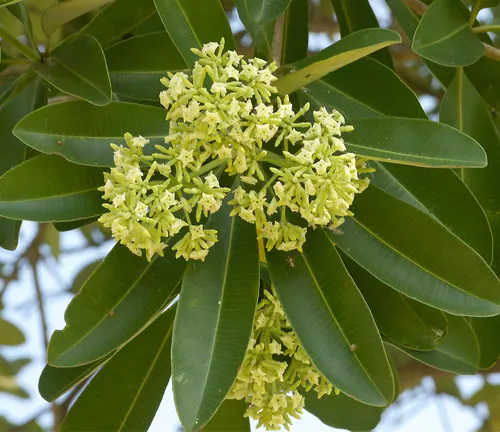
(191, 112)
(224, 152)
(294, 136)
(139, 141)
(177, 226)
(186, 157)
(141, 209)
(212, 118)
(168, 199)
(247, 215)
(134, 175)
(118, 200)
(212, 181)
(219, 88)
(210, 48)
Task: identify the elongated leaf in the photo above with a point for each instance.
(262, 34)
(342, 412)
(263, 11)
(4, 3)
(82, 132)
(352, 47)
(414, 142)
(59, 14)
(358, 15)
(49, 188)
(21, 13)
(137, 64)
(427, 262)
(55, 381)
(10, 334)
(191, 24)
(126, 393)
(229, 418)
(441, 30)
(295, 32)
(71, 225)
(329, 316)
(458, 351)
(486, 331)
(79, 69)
(120, 298)
(409, 323)
(214, 320)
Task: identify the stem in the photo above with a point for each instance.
(474, 12)
(486, 28)
(492, 52)
(40, 304)
(274, 159)
(17, 44)
(270, 181)
(209, 167)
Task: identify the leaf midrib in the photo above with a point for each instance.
(80, 192)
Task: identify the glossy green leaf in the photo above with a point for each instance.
(137, 64)
(416, 142)
(482, 4)
(10, 334)
(486, 330)
(229, 418)
(342, 412)
(458, 351)
(20, 11)
(295, 32)
(329, 316)
(71, 225)
(358, 15)
(191, 23)
(82, 132)
(84, 274)
(409, 323)
(214, 320)
(49, 188)
(441, 31)
(264, 11)
(126, 393)
(120, 298)
(352, 47)
(56, 381)
(427, 262)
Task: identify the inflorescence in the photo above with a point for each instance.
(223, 117)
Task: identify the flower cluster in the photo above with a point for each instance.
(225, 116)
(270, 385)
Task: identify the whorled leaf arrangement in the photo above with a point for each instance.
(222, 117)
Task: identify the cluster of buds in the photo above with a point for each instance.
(225, 116)
(274, 368)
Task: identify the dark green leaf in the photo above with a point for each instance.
(486, 330)
(426, 262)
(20, 11)
(229, 418)
(116, 303)
(191, 23)
(137, 64)
(414, 142)
(83, 275)
(71, 225)
(295, 32)
(49, 188)
(214, 320)
(482, 4)
(262, 34)
(444, 36)
(10, 334)
(126, 393)
(82, 132)
(264, 11)
(318, 285)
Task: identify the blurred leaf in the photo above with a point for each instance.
(229, 417)
(137, 64)
(214, 319)
(4, 3)
(447, 385)
(51, 237)
(10, 334)
(8, 384)
(82, 132)
(482, 4)
(49, 188)
(416, 142)
(20, 11)
(441, 31)
(12, 367)
(409, 323)
(318, 284)
(451, 277)
(122, 296)
(354, 47)
(59, 14)
(295, 32)
(358, 15)
(263, 11)
(487, 330)
(126, 392)
(83, 275)
(191, 23)
(78, 68)
(342, 412)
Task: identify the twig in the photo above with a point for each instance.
(278, 39)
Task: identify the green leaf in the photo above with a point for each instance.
(71, 225)
(458, 351)
(486, 330)
(55, 381)
(444, 36)
(416, 142)
(318, 285)
(482, 4)
(342, 412)
(214, 320)
(78, 68)
(352, 48)
(82, 132)
(414, 254)
(358, 15)
(295, 32)
(229, 418)
(83, 275)
(49, 188)
(58, 14)
(20, 11)
(137, 64)
(122, 296)
(264, 11)
(126, 393)
(4, 3)
(409, 323)
(191, 23)
(10, 334)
